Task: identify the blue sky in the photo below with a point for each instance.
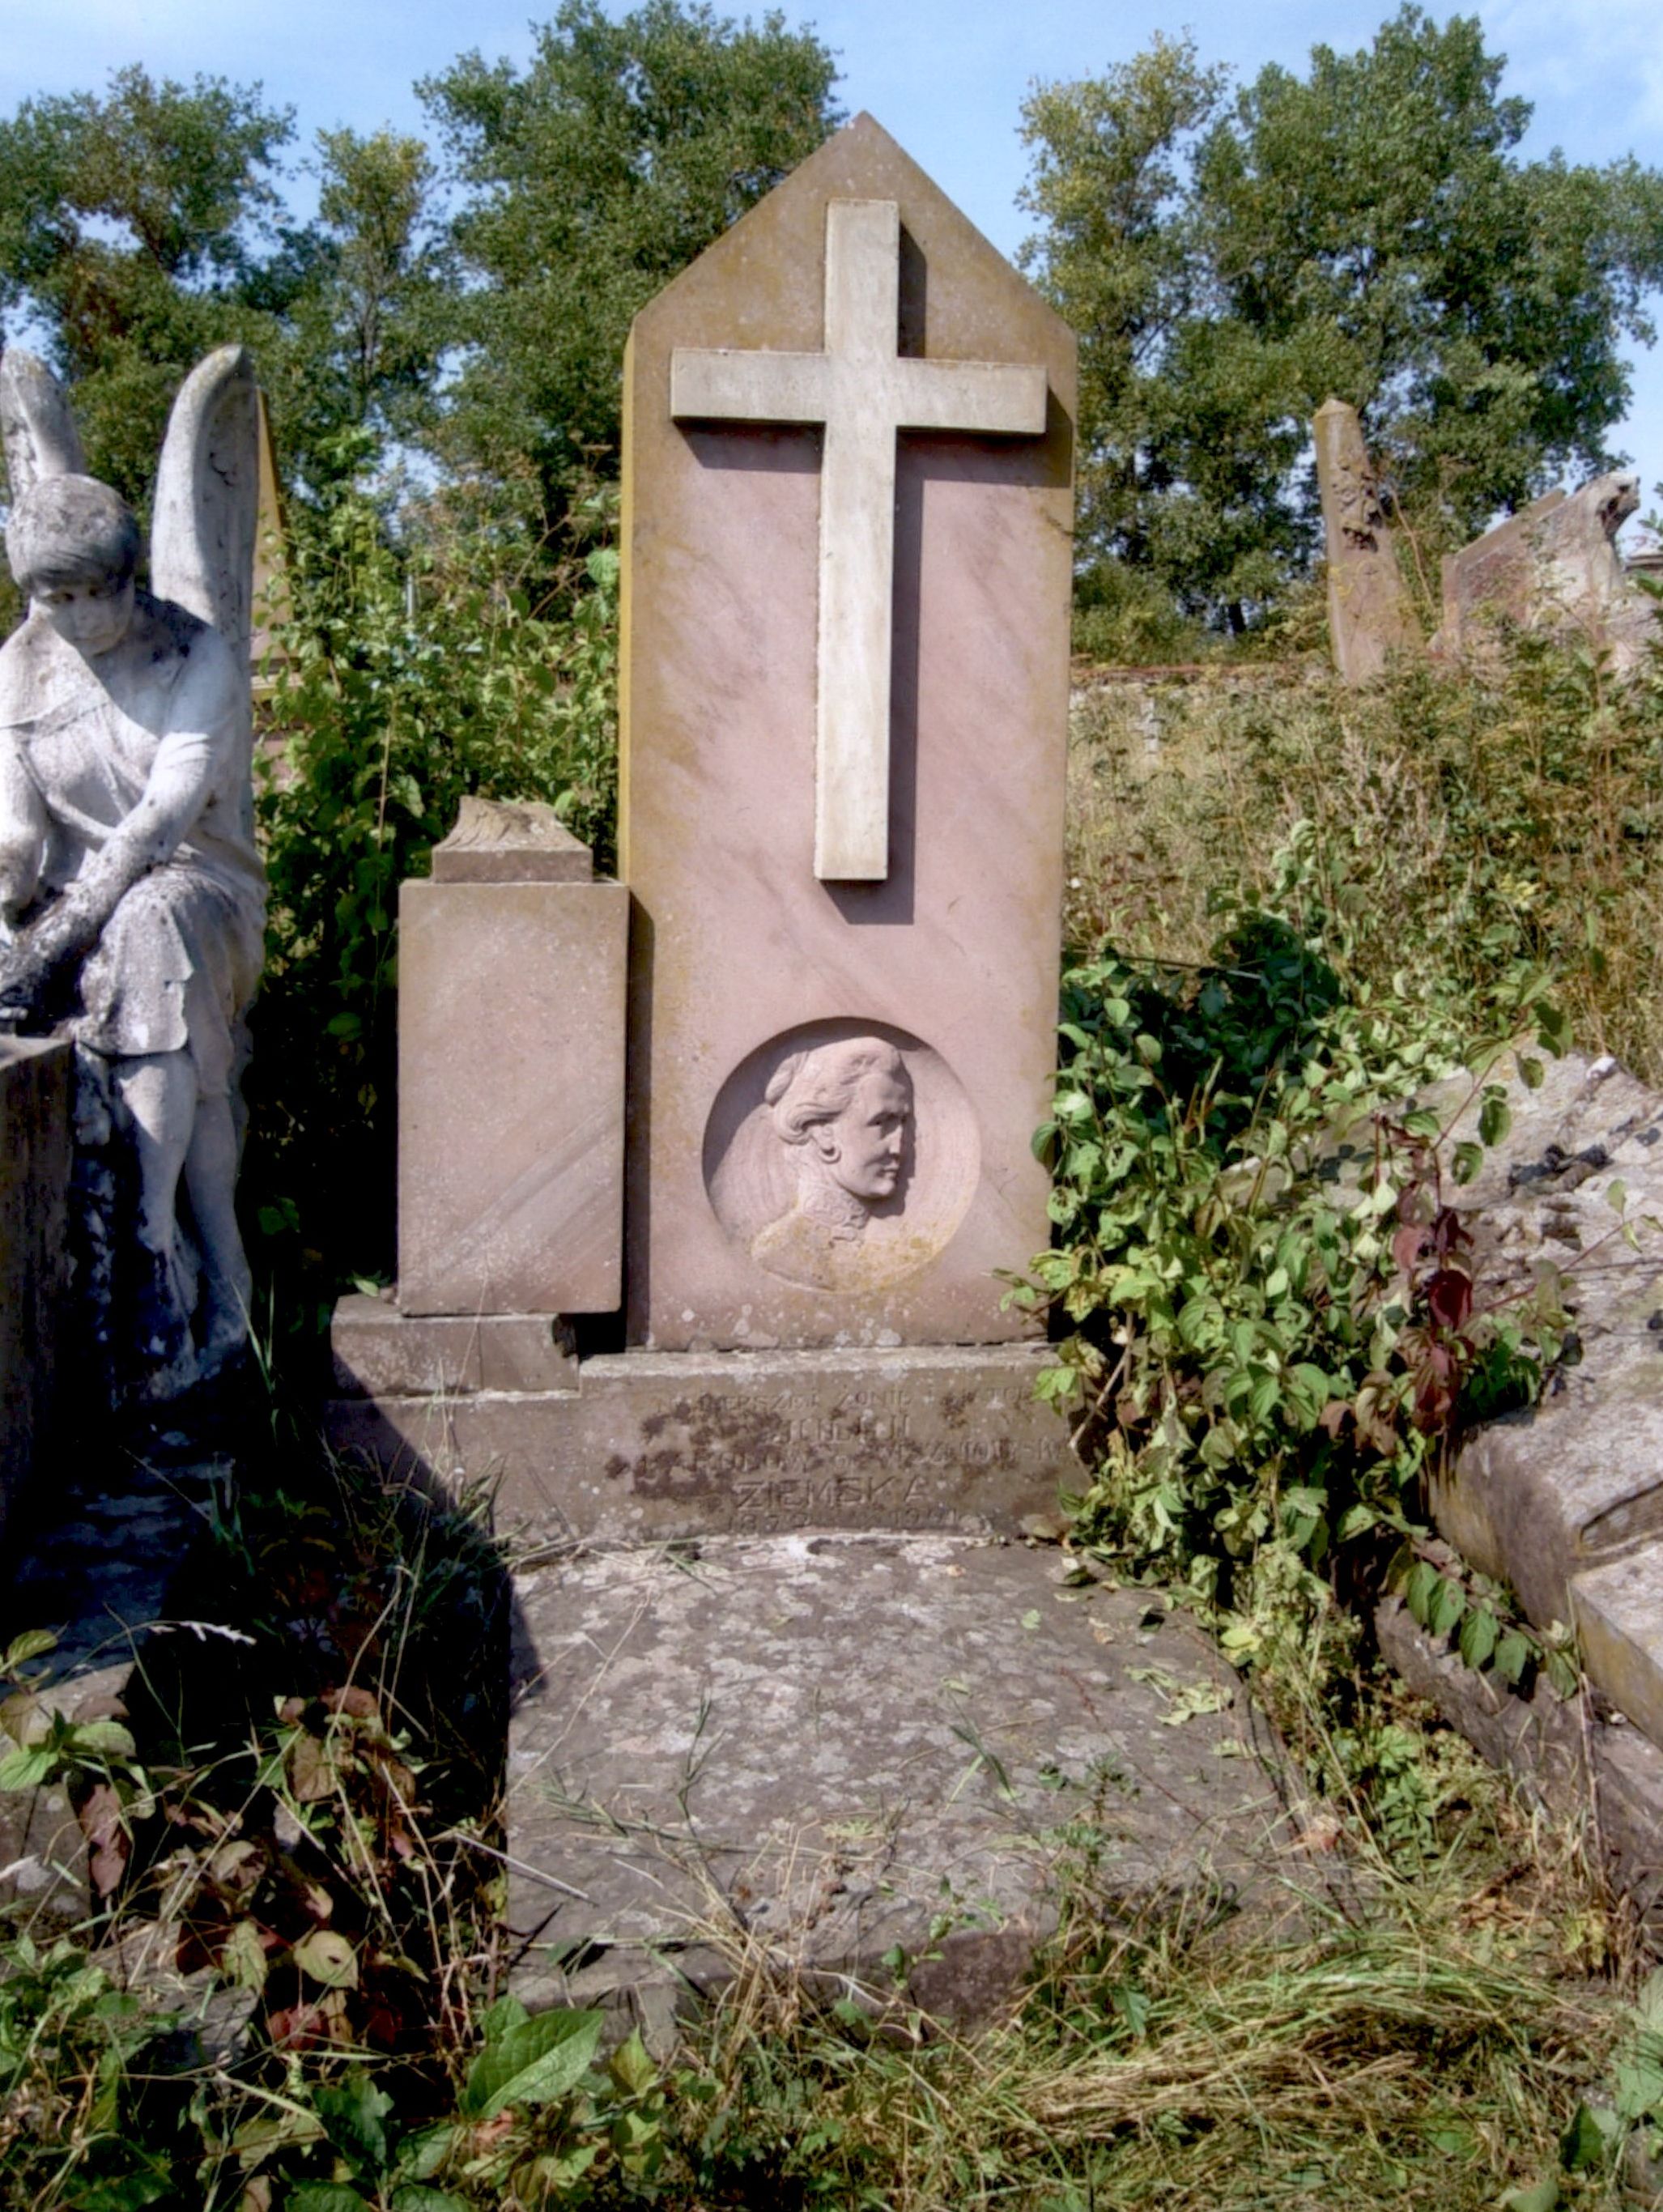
(946, 76)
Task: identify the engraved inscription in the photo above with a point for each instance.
(870, 1456)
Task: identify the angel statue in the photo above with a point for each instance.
(132, 898)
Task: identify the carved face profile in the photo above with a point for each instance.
(842, 1111)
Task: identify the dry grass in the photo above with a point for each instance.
(1429, 2051)
(1465, 823)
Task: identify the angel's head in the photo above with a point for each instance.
(73, 546)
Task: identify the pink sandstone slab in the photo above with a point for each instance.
(928, 999)
(510, 1053)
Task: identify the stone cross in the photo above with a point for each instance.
(863, 390)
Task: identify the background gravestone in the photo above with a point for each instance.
(1369, 616)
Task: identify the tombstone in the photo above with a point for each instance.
(1553, 567)
(845, 695)
(846, 571)
(1370, 615)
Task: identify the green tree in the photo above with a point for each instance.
(136, 231)
(366, 327)
(1367, 229)
(141, 228)
(590, 179)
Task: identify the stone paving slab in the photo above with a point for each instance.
(867, 1756)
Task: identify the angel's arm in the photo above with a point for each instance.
(188, 769)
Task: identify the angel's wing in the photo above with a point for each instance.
(35, 421)
(205, 521)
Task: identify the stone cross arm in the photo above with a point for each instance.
(861, 390)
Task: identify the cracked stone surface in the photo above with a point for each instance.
(1564, 1500)
(867, 1756)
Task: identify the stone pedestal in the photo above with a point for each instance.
(35, 1088)
(640, 1447)
(510, 1054)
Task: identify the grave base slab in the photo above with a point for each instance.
(881, 1764)
(651, 1445)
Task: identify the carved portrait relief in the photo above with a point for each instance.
(841, 1156)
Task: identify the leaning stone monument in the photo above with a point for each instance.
(1555, 567)
(132, 900)
(1370, 615)
(831, 967)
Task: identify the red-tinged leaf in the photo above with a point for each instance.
(1334, 1416)
(1449, 1232)
(1449, 1298)
(1408, 1244)
(358, 1704)
(295, 2026)
(110, 1846)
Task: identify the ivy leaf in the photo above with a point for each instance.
(1479, 1633)
(1447, 1606)
(1583, 2142)
(1540, 2196)
(32, 1644)
(1494, 1117)
(27, 1770)
(354, 2117)
(1424, 1581)
(1513, 1655)
(531, 2064)
(1469, 1158)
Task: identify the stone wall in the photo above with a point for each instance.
(35, 1080)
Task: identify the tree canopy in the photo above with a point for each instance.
(1368, 229)
(473, 315)
(589, 181)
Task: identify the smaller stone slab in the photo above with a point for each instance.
(1554, 567)
(1370, 615)
(653, 1445)
(511, 1062)
(867, 1759)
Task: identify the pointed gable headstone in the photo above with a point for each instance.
(848, 506)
